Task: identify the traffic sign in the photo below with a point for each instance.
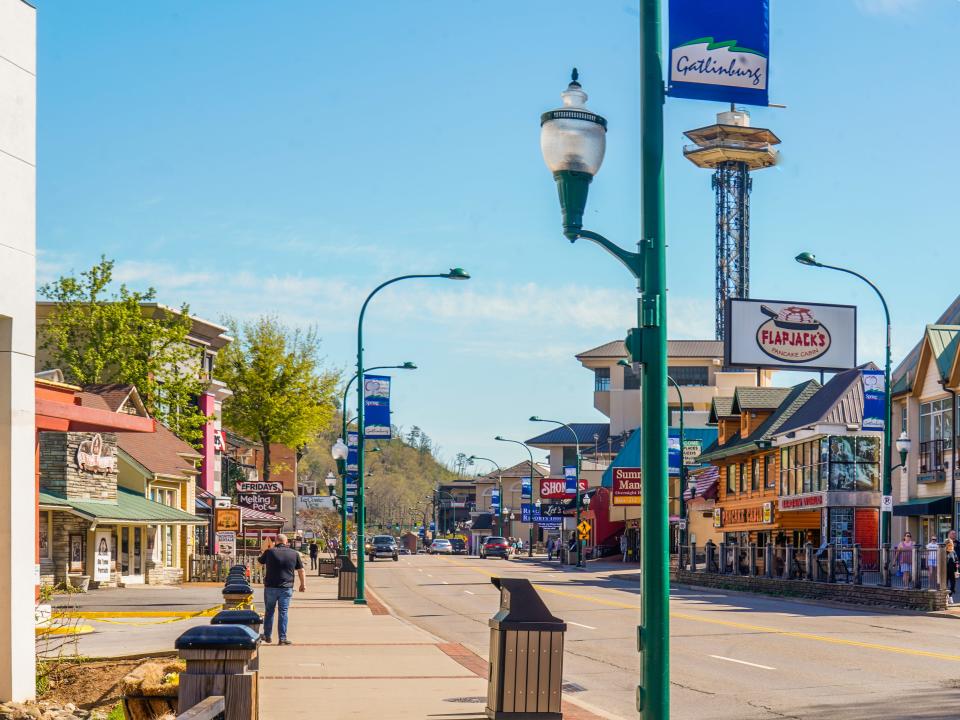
(584, 527)
(886, 503)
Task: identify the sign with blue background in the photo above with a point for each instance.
(720, 50)
(570, 476)
(526, 488)
(376, 407)
(352, 452)
(874, 400)
(529, 513)
(495, 498)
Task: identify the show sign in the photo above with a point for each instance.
(627, 487)
(790, 335)
(556, 488)
(809, 501)
(261, 502)
(260, 487)
(720, 50)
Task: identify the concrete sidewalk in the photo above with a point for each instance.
(350, 661)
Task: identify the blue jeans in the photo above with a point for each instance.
(271, 598)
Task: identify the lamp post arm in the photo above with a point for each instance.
(530, 453)
(633, 261)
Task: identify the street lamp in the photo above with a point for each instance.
(576, 441)
(573, 141)
(343, 473)
(903, 447)
(331, 481)
(453, 274)
(499, 487)
(809, 259)
(530, 453)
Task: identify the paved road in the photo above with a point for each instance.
(734, 657)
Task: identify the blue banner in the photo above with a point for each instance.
(376, 407)
(526, 488)
(570, 476)
(874, 400)
(529, 513)
(495, 498)
(674, 455)
(720, 50)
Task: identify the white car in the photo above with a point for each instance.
(440, 546)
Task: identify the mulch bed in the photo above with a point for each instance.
(91, 685)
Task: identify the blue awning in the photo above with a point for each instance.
(628, 457)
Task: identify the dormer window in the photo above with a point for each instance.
(601, 379)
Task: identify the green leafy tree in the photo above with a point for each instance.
(281, 392)
(95, 335)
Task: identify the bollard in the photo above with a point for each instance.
(526, 655)
(347, 587)
(768, 560)
(915, 574)
(857, 565)
(219, 662)
(693, 557)
(247, 618)
(722, 547)
(941, 566)
(710, 551)
(752, 560)
(831, 571)
(237, 596)
(885, 564)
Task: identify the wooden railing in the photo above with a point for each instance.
(211, 708)
(213, 568)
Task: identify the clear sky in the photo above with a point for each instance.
(251, 157)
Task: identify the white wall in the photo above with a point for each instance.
(17, 346)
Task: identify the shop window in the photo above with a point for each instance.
(743, 477)
(854, 463)
(841, 526)
(769, 480)
(936, 420)
(731, 478)
(601, 379)
(755, 474)
(689, 375)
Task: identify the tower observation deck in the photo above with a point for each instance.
(733, 150)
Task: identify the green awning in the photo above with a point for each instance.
(924, 506)
(130, 507)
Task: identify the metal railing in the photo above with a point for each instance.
(905, 568)
(731, 144)
(932, 455)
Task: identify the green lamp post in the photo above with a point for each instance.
(573, 141)
(453, 274)
(343, 435)
(576, 442)
(499, 488)
(810, 260)
(530, 453)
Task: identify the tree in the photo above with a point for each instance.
(95, 336)
(281, 392)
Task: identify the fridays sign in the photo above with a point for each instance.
(260, 487)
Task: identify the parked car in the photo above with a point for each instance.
(440, 546)
(459, 546)
(495, 546)
(383, 546)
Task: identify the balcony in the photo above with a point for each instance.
(934, 458)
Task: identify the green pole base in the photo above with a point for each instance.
(360, 601)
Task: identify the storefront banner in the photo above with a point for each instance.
(495, 498)
(261, 502)
(526, 488)
(786, 335)
(376, 407)
(673, 453)
(720, 50)
(260, 487)
(352, 467)
(530, 513)
(627, 486)
(810, 501)
(874, 400)
(227, 544)
(691, 451)
(101, 558)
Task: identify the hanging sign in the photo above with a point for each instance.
(720, 50)
(352, 466)
(226, 519)
(495, 498)
(526, 488)
(874, 400)
(570, 479)
(673, 454)
(261, 502)
(376, 407)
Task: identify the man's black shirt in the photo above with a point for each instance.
(282, 562)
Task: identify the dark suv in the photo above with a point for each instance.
(384, 546)
(495, 546)
(459, 546)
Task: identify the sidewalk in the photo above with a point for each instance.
(350, 661)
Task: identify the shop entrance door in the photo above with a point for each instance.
(131, 555)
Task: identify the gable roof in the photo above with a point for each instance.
(721, 407)
(113, 397)
(757, 398)
(839, 401)
(561, 436)
(901, 379)
(160, 452)
(520, 470)
(795, 398)
(675, 349)
(939, 345)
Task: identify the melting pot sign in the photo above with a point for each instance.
(778, 334)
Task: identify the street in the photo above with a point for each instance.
(734, 657)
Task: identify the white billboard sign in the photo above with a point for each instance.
(315, 502)
(790, 335)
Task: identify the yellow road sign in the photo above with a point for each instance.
(584, 527)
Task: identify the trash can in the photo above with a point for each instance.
(221, 660)
(526, 655)
(327, 567)
(347, 587)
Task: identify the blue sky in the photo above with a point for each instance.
(249, 157)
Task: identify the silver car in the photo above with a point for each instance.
(441, 546)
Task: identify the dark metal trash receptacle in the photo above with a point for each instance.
(327, 567)
(526, 655)
(347, 587)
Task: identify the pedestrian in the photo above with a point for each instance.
(952, 568)
(932, 557)
(314, 551)
(623, 546)
(333, 546)
(904, 557)
(281, 563)
(549, 548)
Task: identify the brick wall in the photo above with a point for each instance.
(923, 600)
(59, 473)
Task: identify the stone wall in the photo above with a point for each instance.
(64, 525)
(61, 475)
(159, 575)
(923, 600)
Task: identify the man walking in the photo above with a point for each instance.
(281, 561)
(314, 551)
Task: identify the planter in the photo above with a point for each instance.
(150, 691)
(79, 582)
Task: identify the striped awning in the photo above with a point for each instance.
(702, 482)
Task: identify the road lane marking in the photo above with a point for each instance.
(588, 627)
(444, 582)
(741, 662)
(468, 592)
(744, 626)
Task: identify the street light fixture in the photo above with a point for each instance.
(530, 453)
(903, 447)
(471, 459)
(452, 274)
(576, 441)
(331, 481)
(573, 142)
(810, 260)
